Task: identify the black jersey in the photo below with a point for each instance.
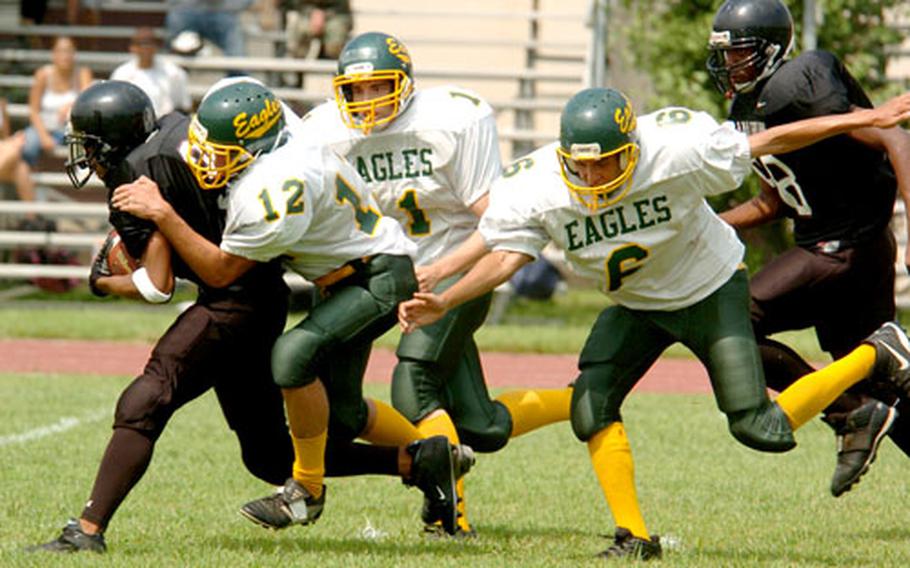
(837, 189)
(160, 159)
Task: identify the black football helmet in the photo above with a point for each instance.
(108, 120)
(749, 41)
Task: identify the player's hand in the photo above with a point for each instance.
(893, 112)
(141, 198)
(427, 277)
(907, 260)
(100, 266)
(421, 310)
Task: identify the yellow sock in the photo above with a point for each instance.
(611, 457)
(387, 427)
(439, 423)
(309, 462)
(308, 417)
(808, 396)
(533, 408)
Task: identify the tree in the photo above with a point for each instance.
(667, 41)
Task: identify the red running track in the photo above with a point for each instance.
(501, 369)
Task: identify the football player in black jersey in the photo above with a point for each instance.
(223, 341)
(840, 195)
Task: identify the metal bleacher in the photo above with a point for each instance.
(526, 57)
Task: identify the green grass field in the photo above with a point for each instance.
(536, 503)
(557, 326)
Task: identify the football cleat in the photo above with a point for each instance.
(289, 505)
(892, 356)
(858, 438)
(464, 460)
(433, 471)
(436, 531)
(626, 545)
(72, 539)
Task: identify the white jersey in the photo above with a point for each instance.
(309, 207)
(426, 167)
(659, 248)
(164, 82)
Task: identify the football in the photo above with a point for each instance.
(119, 260)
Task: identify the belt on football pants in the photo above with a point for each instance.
(344, 271)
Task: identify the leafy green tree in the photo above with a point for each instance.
(667, 41)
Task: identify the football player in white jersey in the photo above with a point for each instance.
(309, 207)
(429, 157)
(624, 198)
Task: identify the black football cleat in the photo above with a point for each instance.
(72, 539)
(858, 438)
(433, 471)
(290, 505)
(892, 356)
(626, 545)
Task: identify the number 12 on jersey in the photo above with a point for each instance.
(294, 204)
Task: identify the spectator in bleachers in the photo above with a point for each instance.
(83, 12)
(215, 20)
(163, 81)
(31, 12)
(328, 21)
(54, 89)
(13, 169)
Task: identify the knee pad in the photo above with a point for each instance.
(145, 406)
(736, 375)
(764, 428)
(414, 392)
(295, 356)
(347, 422)
(591, 411)
(489, 437)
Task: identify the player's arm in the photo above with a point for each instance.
(156, 260)
(214, 266)
(490, 271)
(460, 259)
(795, 135)
(896, 142)
(761, 209)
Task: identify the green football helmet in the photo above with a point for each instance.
(373, 56)
(596, 124)
(233, 125)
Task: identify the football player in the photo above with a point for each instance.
(624, 198)
(429, 157)
(308, 207)
(223, 341)
(840, 276)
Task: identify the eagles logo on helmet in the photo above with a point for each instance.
(597, 124)
(373, 56)
(234, 124)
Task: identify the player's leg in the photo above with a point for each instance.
(428, 359)
(622, 345)
(803, 288)
(364, 299)
(862, 424)
(249, 398)
(718, 330)
(176, 373)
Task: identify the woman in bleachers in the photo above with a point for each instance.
(13, 169)
(54, 88)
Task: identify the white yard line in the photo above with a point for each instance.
(62, 425)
